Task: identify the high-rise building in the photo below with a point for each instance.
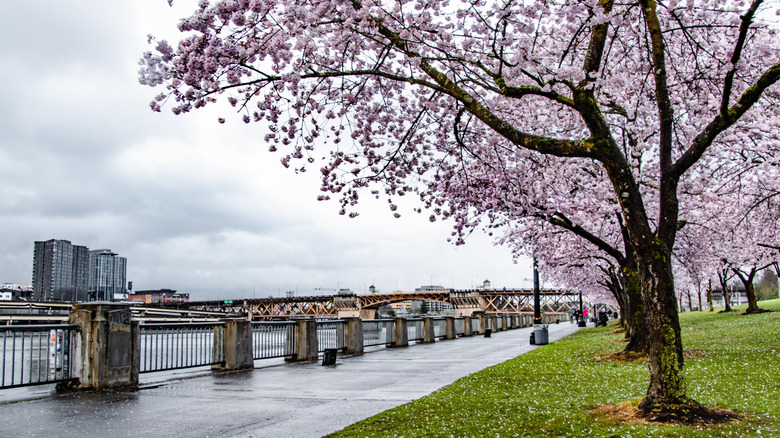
(107, 275)
(60, 271)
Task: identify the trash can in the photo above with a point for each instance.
(488, 332)
(329, 356)
(602, 319)
(540, 334)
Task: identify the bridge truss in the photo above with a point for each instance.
(522, 300)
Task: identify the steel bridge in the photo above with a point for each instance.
(464, 303)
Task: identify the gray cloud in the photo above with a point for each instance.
(194, 205)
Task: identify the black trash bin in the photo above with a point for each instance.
(602, 319)
(488, 332)
(533, 339)
(329, 356)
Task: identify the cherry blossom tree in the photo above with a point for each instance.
(627, 99)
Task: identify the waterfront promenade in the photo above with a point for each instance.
(276, 400)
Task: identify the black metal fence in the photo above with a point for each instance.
(378, 332)
(273, 339)
(37, 354)
(330, 334)
(170, 346)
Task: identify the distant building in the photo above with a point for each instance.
(107, 275)
(11, 291)
(60, 271)
(159, 297)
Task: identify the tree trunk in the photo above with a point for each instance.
(666, 392)
(690, 301)
(698, 291)
(635, 315)
(709, 296)
(725, 288)
(750, 290)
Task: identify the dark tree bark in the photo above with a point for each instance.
(724, 279)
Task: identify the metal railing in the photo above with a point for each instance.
(414, 329)
(460, 326)
(37, 354)
(439, 327)
(273, 339)
(499, 323)
(378, 332)
(330, 334)
(180, 345)
(475, 325)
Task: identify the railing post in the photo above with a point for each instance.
(428, 332)
(401, 334)
(353, 334)
(108, 349)
(236, 346)
(467, 326)
(494, 322)
(306, 341)
(449, 327)
(504, 325)
(483, 323)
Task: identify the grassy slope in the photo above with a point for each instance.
(552, 390)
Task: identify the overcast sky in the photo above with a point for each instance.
(193, 205)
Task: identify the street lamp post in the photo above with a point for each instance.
(581, 320)
(540, 330)
(537, 306)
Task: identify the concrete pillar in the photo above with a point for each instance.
(368, 313)
(354, 336)
(467, 326)
(401, 334)
(306, 341)
(428, 334)
(483, 322)
(109, 346)
(236, 346)
(504, 322)
(449, 327)
(494, 323)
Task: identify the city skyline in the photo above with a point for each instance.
(194, 205)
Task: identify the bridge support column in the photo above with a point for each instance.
(401, 333)
(236, 346)
(354, 336)
(428, 332)
(109, 346)
(449, 327)
(306, 341)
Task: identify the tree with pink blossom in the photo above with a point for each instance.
(625, 99)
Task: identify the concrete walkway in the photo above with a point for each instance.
(278, 400)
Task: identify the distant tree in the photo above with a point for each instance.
(766, 288)
(424, 308)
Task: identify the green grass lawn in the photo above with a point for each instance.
(553, 390)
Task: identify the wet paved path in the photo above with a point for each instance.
(278, 400)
